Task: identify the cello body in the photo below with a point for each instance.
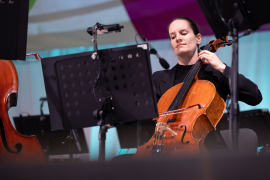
(191, 125)
(14, 147)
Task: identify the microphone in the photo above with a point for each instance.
(162, 61)
(104, 29)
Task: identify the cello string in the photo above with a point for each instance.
(156, 129)
(190, 76)
(173, 113)
(187, 83)
(161, 135)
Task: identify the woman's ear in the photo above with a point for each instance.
(199, 38)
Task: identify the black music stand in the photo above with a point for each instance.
(228, 18)
(125, 89)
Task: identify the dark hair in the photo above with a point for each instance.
(193, 25)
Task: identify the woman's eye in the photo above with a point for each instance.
(184, 33)
(172, 37)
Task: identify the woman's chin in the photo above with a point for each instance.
(183, 52)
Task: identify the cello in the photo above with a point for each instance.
(14, 147)
(187, 113)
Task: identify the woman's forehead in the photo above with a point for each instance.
(179, 24)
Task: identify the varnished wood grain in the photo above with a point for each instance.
(31, 150)
(199, 122)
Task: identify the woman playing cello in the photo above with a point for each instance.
(185, 39)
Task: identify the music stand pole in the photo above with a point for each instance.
(76, 139)
(73, 138)
(102, 140)
(100, 114)
(139, 126)
(234, 109)
(250, 15)
(70, 146)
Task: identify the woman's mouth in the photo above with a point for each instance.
(181, 44)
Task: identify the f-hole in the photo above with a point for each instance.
(182, 139)
(4, 140)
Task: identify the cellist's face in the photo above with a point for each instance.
(183, 39)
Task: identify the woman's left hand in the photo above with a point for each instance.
(208, 57)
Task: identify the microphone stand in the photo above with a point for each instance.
(101, 113)
(95, 53)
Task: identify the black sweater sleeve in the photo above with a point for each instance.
(249, 92)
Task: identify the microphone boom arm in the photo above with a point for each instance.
(162, 61)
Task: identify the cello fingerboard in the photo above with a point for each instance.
(187, 84)
(188, 81)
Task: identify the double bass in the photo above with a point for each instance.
(14, 147)
(187, 113)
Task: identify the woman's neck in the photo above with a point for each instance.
(188, 59)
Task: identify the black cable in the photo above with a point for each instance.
(136, 38)
(221, 17)
(96, 82)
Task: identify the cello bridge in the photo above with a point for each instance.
(164, 127)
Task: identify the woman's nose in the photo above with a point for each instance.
(178, 38)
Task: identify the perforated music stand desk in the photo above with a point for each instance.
(255, 14)
(126, 76)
